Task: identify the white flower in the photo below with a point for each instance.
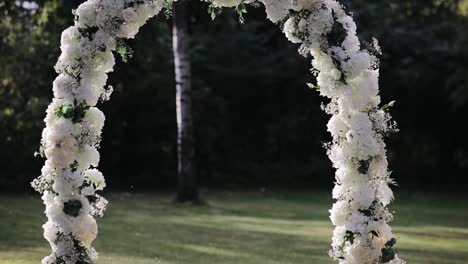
(363, 196)
(360, 253)
(351, 43)
(226, 3)
(129, 15)
(95, 177)
(357, 223)
(365, 89)
(63, 86)
(51, 117)
(70, 37)
(385, 193)
(290, 29)
(339, 234)
(356, 65)
(49, 259)
(50, 231)
(61, 147)
(337, 127)
(397, 260)
(86, 13)
(88, 191)
(105, 62)
(91, 88)
(95, 118)
(276, 10)
(85, 230)
(87, 157)
(384, 233)
(339, 212)
(298, 5)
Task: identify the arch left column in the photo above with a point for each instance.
(70, 183)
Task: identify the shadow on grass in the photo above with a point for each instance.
(241, 227)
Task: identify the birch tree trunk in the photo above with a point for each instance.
(187, 182)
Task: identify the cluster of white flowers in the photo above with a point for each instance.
(69, 182)
(346, 73)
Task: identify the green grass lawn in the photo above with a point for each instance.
(236, 227)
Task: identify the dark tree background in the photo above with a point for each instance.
(256, 122)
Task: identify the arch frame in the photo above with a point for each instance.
(346, 74)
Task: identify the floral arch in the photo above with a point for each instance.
(346, 73)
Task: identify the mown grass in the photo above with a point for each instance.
(237, 227)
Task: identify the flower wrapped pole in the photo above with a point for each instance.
(347, 74)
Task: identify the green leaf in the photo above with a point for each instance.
(313, 86)
(168, 7)
(388, 254)
(391, 242)
(241, 10)
(388, 106)
(65, 111)
(124, 50)
(214, 11)
(72, 208)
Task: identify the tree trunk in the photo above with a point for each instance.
(187, 182)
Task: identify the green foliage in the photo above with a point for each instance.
(72, 207)
(124, 50)
(241, 10)
(214, 11)
(386, 107)
(168, 9)
(65, 111)
(75, 113)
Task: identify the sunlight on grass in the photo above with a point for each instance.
(244, 227)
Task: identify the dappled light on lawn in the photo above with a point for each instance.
(235, 227)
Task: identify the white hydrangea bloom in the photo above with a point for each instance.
(61, 148)
(397, 260)
(63, 86)
(49, 259)
(383, 230)
(94, 119)
(360, 253)
(339, 213)
(86, 13)
(226, 3)
(362, 196)
(87, 157)
(337, 127)
(277, 10)
(85, 230)
(95, 177)
(299, 5)
(290, 28)
(356, 65)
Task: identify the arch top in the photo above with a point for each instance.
(346, 74)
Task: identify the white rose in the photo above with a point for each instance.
(60, 148)
(49, 259)
(226, 3)
(85, 230)
(339, 212)
(129, 15)
(95, 177)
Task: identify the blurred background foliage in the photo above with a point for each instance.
(257, 123)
